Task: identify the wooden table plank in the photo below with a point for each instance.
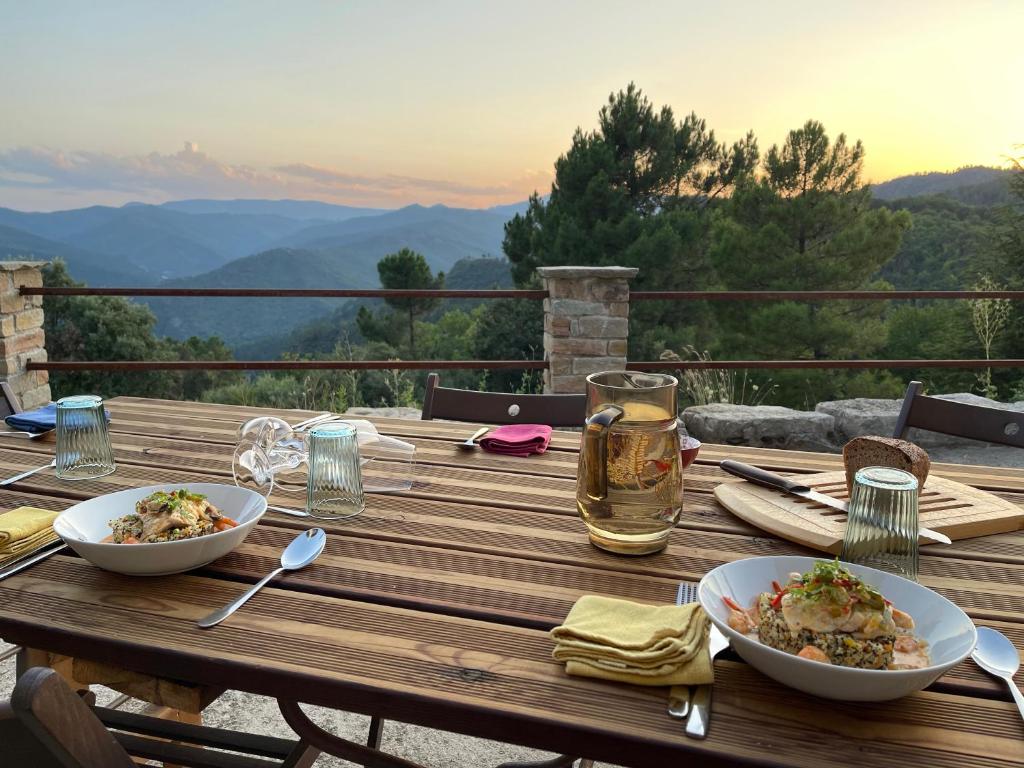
(994, 478)
(142, 457)
(986, 590)
(432, 605)
(436, 670)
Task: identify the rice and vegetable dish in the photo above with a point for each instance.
(830, 615)
(169, 516)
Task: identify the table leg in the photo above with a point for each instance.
(375, 732)
(64, 666)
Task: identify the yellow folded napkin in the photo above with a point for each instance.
(632, 643)
(25, 528)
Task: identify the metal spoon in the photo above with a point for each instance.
(304, 549)
(997, 655)
(470, 442)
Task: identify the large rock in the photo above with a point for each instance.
(764, 426)
(862, 416)
(397, 412)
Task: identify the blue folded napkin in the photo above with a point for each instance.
(40, 420)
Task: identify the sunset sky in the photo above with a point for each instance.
(469, 103)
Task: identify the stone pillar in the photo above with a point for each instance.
(21, 332)
(586, 323)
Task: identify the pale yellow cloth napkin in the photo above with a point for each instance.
(23, 529)
(632, 643)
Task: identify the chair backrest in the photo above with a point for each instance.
(498, 408)
(8, 401)
(977, 422)
(46, 725)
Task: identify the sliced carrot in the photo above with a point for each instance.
(129, 540)
(224, 523)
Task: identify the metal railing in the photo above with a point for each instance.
(742, 296)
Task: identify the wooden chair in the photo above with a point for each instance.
(499, 408)
(977, 422)
(8, 401)
(46, 725)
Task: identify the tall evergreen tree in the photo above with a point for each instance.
(634, 192)
(806, 223)
(407, 270)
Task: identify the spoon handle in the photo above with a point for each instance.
(1018, 697)
(219, 615)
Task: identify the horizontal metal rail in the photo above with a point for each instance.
(666, 365)
(288, 293)
(817, 295)
(283, 365)
(427, 365)
(536, 295)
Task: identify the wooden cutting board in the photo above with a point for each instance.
(952, 508)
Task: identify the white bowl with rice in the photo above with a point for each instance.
(84, 527)
(949, 633)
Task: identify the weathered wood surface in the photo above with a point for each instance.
(433, 606)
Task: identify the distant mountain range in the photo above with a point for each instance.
(149, 243)
(302, 243)
(293, 209)
(247, 319)
(974, 185)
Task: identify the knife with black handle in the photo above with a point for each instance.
(768, 479)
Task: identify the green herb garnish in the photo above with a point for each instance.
(830, 582)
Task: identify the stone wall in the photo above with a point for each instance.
(21, 332)
(831, 424)
(586, 323)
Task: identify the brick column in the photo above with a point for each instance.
(586, 323)
(21, 332)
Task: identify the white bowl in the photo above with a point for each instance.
(90, 520)
(950, 633)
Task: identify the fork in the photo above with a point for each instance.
(312, 422)
(679, 703)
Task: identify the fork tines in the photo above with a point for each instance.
(687, 592)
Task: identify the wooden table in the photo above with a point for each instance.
(433, 606)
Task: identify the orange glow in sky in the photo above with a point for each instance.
(470, 103)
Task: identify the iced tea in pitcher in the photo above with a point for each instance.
(630, 488)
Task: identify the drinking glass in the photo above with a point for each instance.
(270, 453)
(251, 468)
(882, 525)
(83, 443)
(335, 487)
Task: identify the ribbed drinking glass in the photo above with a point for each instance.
(882, 525)
(83, 443)
(335, 486)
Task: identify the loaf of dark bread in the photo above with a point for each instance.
(884, 452)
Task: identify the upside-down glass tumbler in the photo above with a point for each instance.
(83, 443)
(335, 487)
(882, 525)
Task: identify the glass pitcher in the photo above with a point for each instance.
(630, 486)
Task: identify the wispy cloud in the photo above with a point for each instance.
(332, 179)
(37, 174)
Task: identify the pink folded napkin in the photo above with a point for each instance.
(517, 439)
